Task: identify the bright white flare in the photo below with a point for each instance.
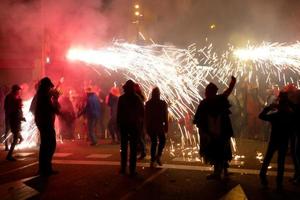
(29, 130)
(278, 54)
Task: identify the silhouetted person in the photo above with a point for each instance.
(215, 129)
(92, 113)
(112, 102)
(156, 121)
(294, 102)
(130, 116)
(46, 108)
(281, 127)
(141, 138)
(13, 117)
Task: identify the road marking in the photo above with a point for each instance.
(148, 180)
(19, 168)
(237, 193)
(167, 166)
(23, 154)
(286, 166)
(61, 155)
(99, 156)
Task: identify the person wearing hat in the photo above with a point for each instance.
(215, 129)
(130, 115)
(46, 107)
(13, 117)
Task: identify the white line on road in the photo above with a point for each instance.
(19, 168)
(167, 166)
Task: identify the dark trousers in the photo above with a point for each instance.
(160, 135)
(7, 129)
(295, 151)
(47, 149)
(282, 150)
(128, 134)
(13, 144)
(142, 141)
(113, 129)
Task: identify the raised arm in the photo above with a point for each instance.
(231, 86)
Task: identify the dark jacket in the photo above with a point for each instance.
(156, 115)
(215, 108)
(130, 110)
(281, 122)
(113, 104)
(45, 109)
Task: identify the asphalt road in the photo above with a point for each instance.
(87, 172)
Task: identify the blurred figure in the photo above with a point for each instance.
(215, 129)
(156, 121)
(66, 118)
(103, 119)
(294, 102)
(46, 107)
(253, 106)
(3, 92)
(280, 116)
(112, 102)
(13, 117)
(92, 113)
(141, 138)
(130, 116)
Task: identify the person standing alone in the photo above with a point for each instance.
(156, 120)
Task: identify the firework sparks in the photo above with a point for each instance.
(29, 130)
(181, 73)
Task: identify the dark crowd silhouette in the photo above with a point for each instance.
(131, 119)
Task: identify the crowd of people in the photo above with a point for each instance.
(132, 116)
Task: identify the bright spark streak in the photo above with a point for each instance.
(277, 54)
(29, 130)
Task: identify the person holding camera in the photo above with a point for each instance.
(281, 118)
(46, 108)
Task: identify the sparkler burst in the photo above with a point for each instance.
(29, 130)
(182, 73)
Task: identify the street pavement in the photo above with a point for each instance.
(91, 172)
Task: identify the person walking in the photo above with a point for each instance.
(130, 115)
(156, 121)
(46, 107)
(13, 117)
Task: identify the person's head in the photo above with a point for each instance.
(155, 93)
(115, 91)
(211, 90)
(15, 89)
(45, 84)
(129, 86)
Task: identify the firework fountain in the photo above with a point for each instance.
(182, 73)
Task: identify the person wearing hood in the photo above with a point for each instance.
(46, 107)
(130, 115)
(156, 121)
